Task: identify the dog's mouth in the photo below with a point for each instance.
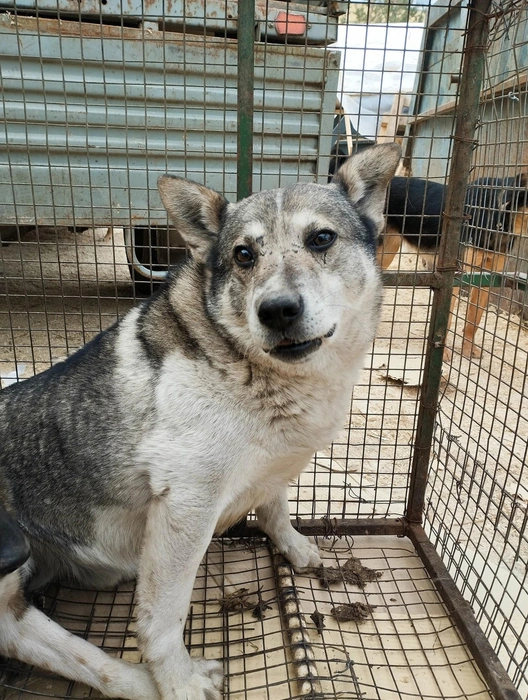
(290, 350)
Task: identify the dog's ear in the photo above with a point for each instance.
(511, 192)
(365, 177)
(195, 210)
(521, 185)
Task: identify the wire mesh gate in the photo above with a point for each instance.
(98, 100)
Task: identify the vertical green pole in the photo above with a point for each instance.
(246, 82)
(466, 116)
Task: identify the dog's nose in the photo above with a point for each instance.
(281, 312)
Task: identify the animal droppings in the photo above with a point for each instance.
(318, 620)
(260, 607)
(352, 571)
(353, 612)
(237, 601)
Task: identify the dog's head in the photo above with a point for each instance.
(497, 207)
(290, 271)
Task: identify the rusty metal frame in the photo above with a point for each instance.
(245, 87)
(466, 117)
(486, 659)
(441, 282)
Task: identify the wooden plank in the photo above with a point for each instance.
(500, 90)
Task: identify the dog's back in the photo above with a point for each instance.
(63, 439)
(415, 207)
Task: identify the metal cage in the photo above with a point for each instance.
(425, 485)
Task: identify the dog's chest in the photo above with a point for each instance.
(238, 444)
(269, 455)
(282, 422)
(282, 413)
(275, 442)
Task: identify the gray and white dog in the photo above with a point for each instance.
(201, 404)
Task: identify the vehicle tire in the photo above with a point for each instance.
(145, 246)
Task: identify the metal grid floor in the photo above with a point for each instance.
(409, 647)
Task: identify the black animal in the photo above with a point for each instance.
(495, 216)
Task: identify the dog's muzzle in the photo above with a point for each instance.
(290, 350)
(282, 315)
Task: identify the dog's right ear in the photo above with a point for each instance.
(195, 210)
(365, 176)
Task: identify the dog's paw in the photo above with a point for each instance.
(202, 682)
(299, 551)
(205, 682)
(212, 669)
(469, 350)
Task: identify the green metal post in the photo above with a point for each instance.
(466, 120)
(246, 84)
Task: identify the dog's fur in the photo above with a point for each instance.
(495, 211)
(199, 405)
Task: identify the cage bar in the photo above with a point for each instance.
(425, 484)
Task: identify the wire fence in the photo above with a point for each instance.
(98, 99)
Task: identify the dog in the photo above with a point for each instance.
(495, 220)
(199, 405)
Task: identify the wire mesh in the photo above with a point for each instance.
(476, 505)
(101, 98)
(408, 648)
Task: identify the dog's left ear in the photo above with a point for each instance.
(365, 177)
(195, 210)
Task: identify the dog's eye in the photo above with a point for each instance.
(244, 256)
(321, 240)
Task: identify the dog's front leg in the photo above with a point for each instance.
(274, 519)
(28, 635)
(177, 536)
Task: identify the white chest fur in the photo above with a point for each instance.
(235, 443)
